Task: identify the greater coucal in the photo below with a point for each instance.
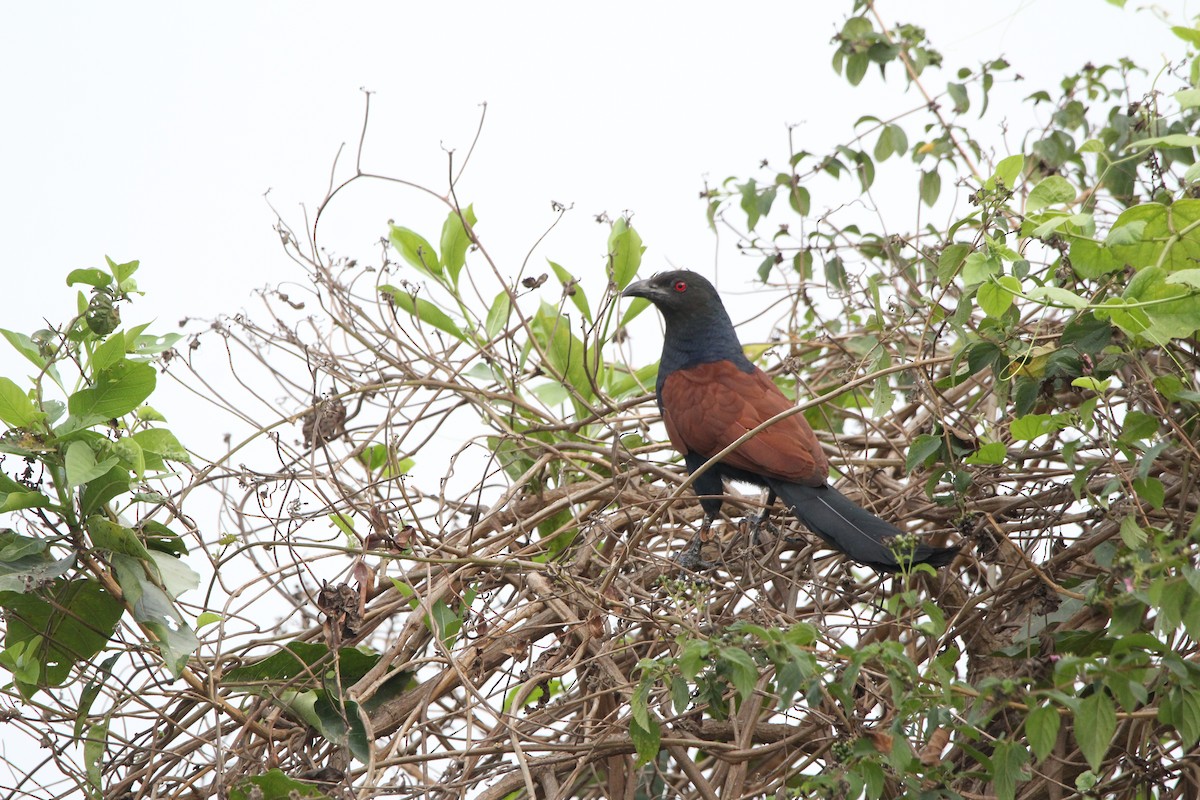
(710, 395)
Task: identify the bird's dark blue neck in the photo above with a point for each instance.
(700, 339)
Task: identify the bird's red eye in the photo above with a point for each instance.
(680, 286)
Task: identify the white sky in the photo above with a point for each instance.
(152, 130)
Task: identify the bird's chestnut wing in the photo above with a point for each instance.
(708, 407)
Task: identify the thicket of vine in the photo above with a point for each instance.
(439, 563)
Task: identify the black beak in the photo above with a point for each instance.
(641, 289)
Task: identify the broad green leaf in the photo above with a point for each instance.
(70, 622)
(1008, 768)
(163, 443)
(25, 346)
(1094, 384)
(1131, 533)
(155, 610)
(108, 353)
(1166, 142)
(108, 535)
(1095, 724)
(564, 352)
(1041, 729)
(1188, 277)
(122, 272)
(743, 672)
(996, 297)
(1009, 169)
(116, 391)
(1091, 259)
(988, 454)
(16, 409)
(646, 740)
(15, 501)
(1031, 426)
(274, 784)
(575, 292)
(1050, 191)
(92, 277)
(82, 466)
(931, 186)
(1151, 490)
(1187, 98)
(1170, 238)
(1172, 308)
(456, 240)
(977, 268)
(423, 310)
(131, 456)
(625, 251)
(1057, 295)
(497, 316)
(415, 250)
(923, 448)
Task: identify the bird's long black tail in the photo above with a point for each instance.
(855, 531)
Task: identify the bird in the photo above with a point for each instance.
(710, 394)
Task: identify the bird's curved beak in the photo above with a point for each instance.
(640, 289)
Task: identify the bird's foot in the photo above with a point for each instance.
(760, 525)
(690, 559)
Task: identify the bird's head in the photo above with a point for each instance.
(678, 293)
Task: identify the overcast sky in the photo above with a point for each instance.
(152, 130)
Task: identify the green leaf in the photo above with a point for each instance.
(576, 293)
(1009, 169)
(1057, 295)
(423, 310)
(162, 443)
(1041, 729)
(82, 466)
(1187, 98)
(1090, 259)
(61, 625)
(456, 240)
(564, 351)
(1188, 277)
(156, 611)
(931, 186)
(1050, 191)
(1093, 384)
(1031, 426)
(922, 450)
(1151, 490)
(996, 297)
(1095, 724)
(625, 252)
(1169, 239)
(989, 454)
(1172, 309)
(92, 277)
(1008, 762)
(16, 409)
(116, 391)
(646, 740)
(416, 251)
(497, 316)
(274, 784)
(1131, 533)
(94, 746)
(743, 672)
(1165, 142)
(122, 272)
(977, 268)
